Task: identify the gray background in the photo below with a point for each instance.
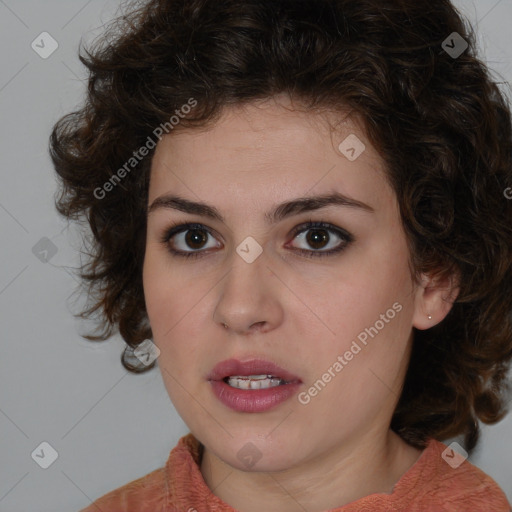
(108, 426)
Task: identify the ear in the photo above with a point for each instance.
(434, 297)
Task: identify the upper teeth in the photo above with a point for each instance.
(254, 381)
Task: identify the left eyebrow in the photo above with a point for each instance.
(278, 213)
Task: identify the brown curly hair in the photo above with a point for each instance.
(439, 121)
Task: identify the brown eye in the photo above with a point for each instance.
(195, 238)
(319, 235)
(188, 240)
(317, 238)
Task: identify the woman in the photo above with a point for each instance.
(299, 213)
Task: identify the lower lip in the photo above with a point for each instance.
(253, 400)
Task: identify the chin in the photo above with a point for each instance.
(256, 452)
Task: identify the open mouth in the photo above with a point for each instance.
(252, 386)
(254, 381)
(251, 374)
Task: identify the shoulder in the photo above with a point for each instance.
(458, 484)
(146, 494)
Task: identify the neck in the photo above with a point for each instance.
(332, 479)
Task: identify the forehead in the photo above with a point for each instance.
(271, 123)
(267, 149)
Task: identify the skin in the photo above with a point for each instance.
(297, 311)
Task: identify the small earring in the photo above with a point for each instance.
(429, 317)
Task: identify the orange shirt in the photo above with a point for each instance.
(430, 485)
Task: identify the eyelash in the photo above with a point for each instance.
(178, 228)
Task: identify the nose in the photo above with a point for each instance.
(249, 297)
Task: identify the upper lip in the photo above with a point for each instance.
(231, 367)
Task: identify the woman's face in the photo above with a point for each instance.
(338, 317)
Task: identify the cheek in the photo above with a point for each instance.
(164, 313)
(175, 306)
(167, 312)
(360, 376)
(364, 289)
(154, 283)
(368, 310)
(165, 300)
